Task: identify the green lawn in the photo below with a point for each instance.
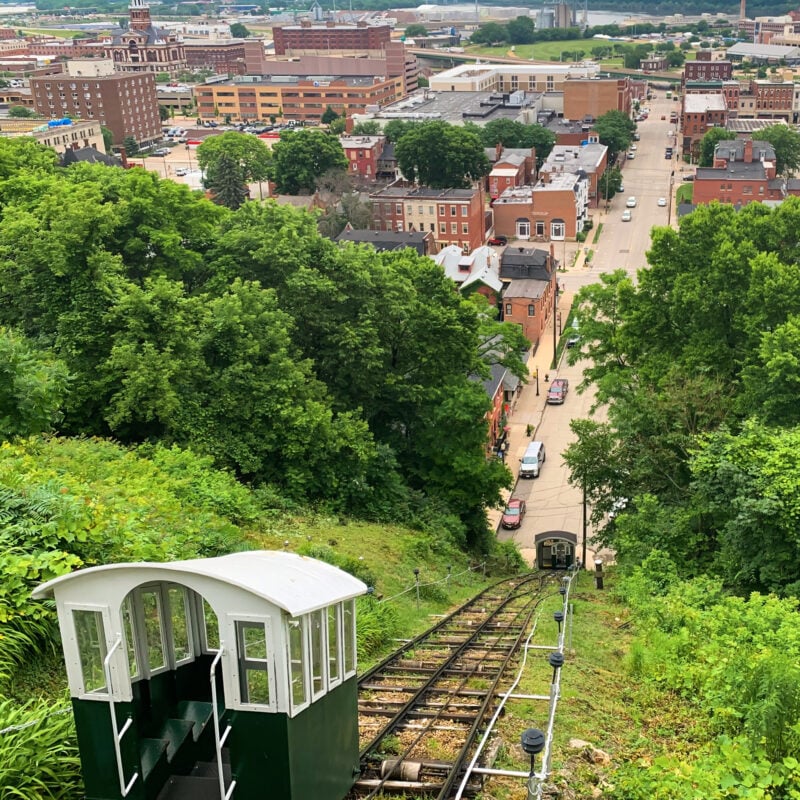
(59, 32)
(541, 51)
(684, 193)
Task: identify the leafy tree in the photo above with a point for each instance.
(675, 58)
(328, 116)
(33, 385)
(108, 138)
(517, 134)
(337, 127)
(441, 156)
(521, 30)
(21, 112)
(415, 29)
(786, 142)
(709, 143)
(369, 127)
(163, 113)
(299, 157)
(615, 130)
(490, 33)
(252, 157)
(422, 81)
(240, 31)
(227, 184)
(610, 183)
(396, 128)
(131, 145)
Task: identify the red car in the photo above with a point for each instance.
(514, 514)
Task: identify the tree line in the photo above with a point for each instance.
(331, 374)
(697, 362)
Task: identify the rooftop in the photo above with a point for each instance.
(702, 103)
(734, 150)
(398, 192)
(763, 50)
(735, 171)
(746, 125)
(571, 158)
(560, 181)
(386, 240)
(459, 107)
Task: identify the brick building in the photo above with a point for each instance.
(707, 71)
(771, 99)
(743, 171)
(73, 135)
(310, 39)
(126, 104)
(363, 153)
(555, 209)
(528, 298)
(501, 78)
(591, 159)
(70, 49)
(454, 216)
(701, 112)
(593, 97)
(224, 56)
(655, 62)
(298, 98)
(731, 90)
(510, 167)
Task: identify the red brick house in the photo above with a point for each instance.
(362, 153)
(510, 167)
(529, 296)
(700, 113)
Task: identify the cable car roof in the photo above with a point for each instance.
(295, 583)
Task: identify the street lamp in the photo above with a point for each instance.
(536, 375)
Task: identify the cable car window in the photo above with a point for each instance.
(349, 636)
(130, 641)
(211, 627)
(297, 673)
(179, 622)
(334, 659)
(253, 655)
(153, 627)
(317, 638)
(92, 650)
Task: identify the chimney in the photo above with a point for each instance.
(743, 10)
(552, 255)
(330, 23)
(748, 151)
(498, 150)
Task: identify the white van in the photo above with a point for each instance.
(532, 461)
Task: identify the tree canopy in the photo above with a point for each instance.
(300, 157)
(615, 130)
(698, 363)
(248, 153)
(326, 373)
(786, 142)
(709, 143)
(441, 156)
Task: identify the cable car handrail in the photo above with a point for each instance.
(118, 734)
(219, 741)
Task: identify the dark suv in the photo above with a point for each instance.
(557, 391)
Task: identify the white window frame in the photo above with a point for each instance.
(119, 669)
(234, 662)
(296, 709)
(337, 612)
(315, 695)
(351, 672)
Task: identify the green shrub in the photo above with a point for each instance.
(378, 624)
(580, 236)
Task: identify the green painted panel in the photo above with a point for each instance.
(308, 757)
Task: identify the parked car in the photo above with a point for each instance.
(662, 201)
(162, 151)
(631, 155)
(689, 177)
(498, 241)
(557, 392)
(626, 216)
(633, 147)
(664, 117)
(631, 202)
(514, 514)
(181, 171)
(573, 340)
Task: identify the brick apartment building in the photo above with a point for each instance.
(594, 96)
(126, 104)
(454, 216)
(310, 39)
(700, 113)
(730, 90)
(771, 99)
(743, 171)
(707, 71)
(298, 98)
(363, 154)
(555, 208)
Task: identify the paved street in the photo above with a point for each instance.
(553, 504)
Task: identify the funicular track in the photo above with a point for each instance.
(422, 710)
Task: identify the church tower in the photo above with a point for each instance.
(139, 14)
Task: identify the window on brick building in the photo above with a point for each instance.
(454, 227)
(464, 211)
(442, 227)
(531, 310)
(464, 228)
(508, 310)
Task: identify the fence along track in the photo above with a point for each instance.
(422, 709)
